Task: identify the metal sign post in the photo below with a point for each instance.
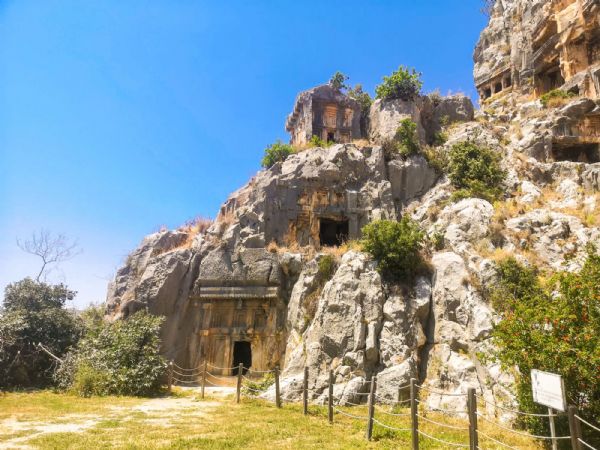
(549, 390)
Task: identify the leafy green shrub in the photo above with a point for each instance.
(405, 142)
(404, 84)
(363, 98)
(35, 312)
(316, 141)
(255, 387)
(475, 171)
(338, 81)
(396, 246)
(89, 382)
(438, 241)
(120, 358)
(440, 138)
(327, 267)
(277, 152)
(437, 157)
(406, 136)
(556, 97)
(365, 101)
(553, 327)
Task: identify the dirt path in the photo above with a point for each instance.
(159, 410)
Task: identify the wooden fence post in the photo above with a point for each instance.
(305, 391)
(239, 382)
(413, 414)
(472, 408)
(574, 428)
(330, 396)
(170, 376)
(371, 408)
(277, 390)
(203, 378)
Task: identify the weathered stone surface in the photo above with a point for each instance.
(385, 117)
(410, 179)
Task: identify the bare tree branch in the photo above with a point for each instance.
(52, 249)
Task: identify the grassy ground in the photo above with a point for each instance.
(58, 421)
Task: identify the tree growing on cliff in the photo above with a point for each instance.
(475, 171)
(277, 152)
(396, 246)
(553, 327)
(405, 84)
(338, 81)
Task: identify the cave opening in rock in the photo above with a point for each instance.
(242, 354)
(587, 153)
(333, 233)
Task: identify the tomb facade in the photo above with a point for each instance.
(325, 112)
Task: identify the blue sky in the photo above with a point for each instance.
(117, 117)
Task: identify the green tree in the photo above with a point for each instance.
(34, 312)
(396, 246)
(553, 327)
(475, 171)
(407, 138)
(404, 84)
(365, 101)
(277, 152)
(119, 358)
(338, 81)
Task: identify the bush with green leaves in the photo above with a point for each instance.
(405, 142)
(554, 327)
(34, 312)
(277, 152)
(475, 171)
(327, 267)
(555, 97)
(365, 101)
(396, 246)
(316, 141)
(118, 358)
(338, 81)
(404, 84)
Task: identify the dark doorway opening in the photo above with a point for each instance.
(333, 233)
(586, 153)
(498, 87)
(331, 136)
(487, 93)
(242, 354)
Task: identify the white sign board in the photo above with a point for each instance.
(548, 390)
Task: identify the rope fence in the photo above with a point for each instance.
(380, 407)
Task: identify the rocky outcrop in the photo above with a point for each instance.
(430, 114)
(534, 46)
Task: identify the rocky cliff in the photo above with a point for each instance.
(264, 245)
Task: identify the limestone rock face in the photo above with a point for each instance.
(410, 179)
(430, 114)
(357, 330)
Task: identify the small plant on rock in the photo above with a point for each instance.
(555, 98)
(277, 152)
(396, 246)
(405, 142)
(404, 84)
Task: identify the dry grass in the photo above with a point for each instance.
(219, 423)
